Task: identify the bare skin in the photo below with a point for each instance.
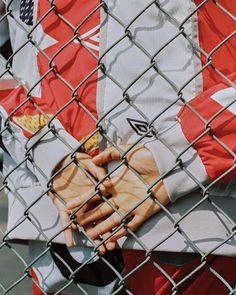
(70, 183)
(127, 191)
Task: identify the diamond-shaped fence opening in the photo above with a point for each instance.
(151, 83)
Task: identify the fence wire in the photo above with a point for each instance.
(128, 29)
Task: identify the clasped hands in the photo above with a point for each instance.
(126, 192)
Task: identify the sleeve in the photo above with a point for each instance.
(39, 149)
(200, 147)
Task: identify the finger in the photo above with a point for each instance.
(101, 248)
(69, 238)
(82, 156)
(74, 226)
(77, 213)
(110, 245)
(110, 154)
(95, 214)
(105, 226)
(132, 225)
(76, 202)
(99, 173)
(65, 220)
(52, 196)
(111, 242)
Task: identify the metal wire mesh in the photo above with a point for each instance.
(128, 28)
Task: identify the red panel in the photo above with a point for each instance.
(202, 282)
(214, 27)
(214, 156)
(74, 63)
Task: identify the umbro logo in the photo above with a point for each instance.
(91, 38)
(140, 127)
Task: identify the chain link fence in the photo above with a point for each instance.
(55, 21)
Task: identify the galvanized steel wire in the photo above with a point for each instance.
(101, 69)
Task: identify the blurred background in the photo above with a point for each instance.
(13, 258)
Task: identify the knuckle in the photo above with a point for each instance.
(99, 211)
(114, 219)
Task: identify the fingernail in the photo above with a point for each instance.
(110, 246)
(69, 205)
(107, 182)
(69, 244)
(102, 250)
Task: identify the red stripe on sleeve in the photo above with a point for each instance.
(214, 26)
(214, 156)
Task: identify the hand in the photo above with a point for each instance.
(72, 182)
(128, 195)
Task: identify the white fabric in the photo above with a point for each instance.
(225, 97)
(177, 147)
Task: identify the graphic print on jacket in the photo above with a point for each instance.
(26, 11)
(69, 75)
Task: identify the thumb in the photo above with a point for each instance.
(109, 154)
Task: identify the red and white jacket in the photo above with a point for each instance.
(205, 80)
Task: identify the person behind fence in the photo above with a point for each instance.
(123, 113)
